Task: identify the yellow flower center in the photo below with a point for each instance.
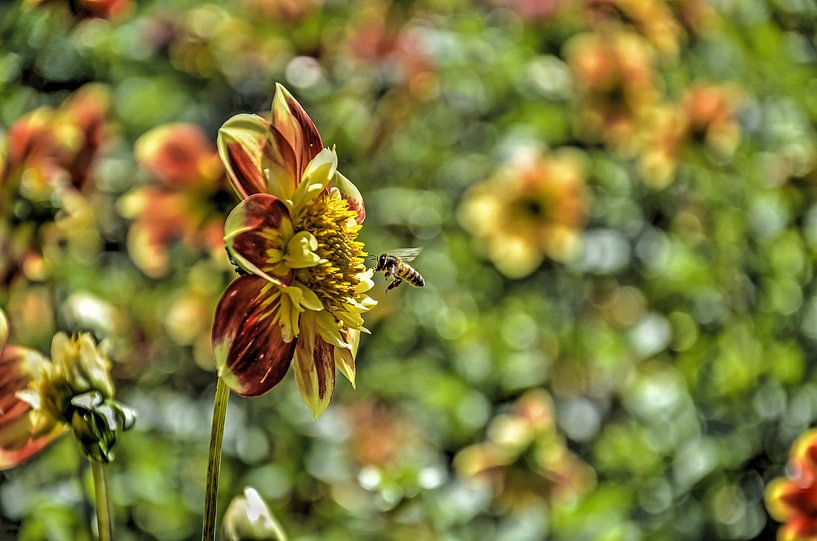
(335, 278)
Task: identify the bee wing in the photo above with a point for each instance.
(406, 254)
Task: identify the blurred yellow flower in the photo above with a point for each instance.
(527, 430)
(530, 209)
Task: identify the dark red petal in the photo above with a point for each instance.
(804, 499)
(311, 142)
(800, 527)
(247, 178)
(251, 355)
(247, 230)
(324, 357)
(283, 162)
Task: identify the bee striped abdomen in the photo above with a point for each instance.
(410, 275)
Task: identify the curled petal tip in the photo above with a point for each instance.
(243, 143)
(351, 195)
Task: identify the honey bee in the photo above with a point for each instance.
(395, 264)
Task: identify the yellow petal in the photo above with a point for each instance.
(302, 297)
(329, 329)
(322, 168)
(301, 251)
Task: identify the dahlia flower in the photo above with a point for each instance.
(294, 236)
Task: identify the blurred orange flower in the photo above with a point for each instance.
(48, 159)
(615, 77)
(49, 149)
(527, 430)
(182, 204)
(711, 111)
(793, 499)
(707, 114)
(531, 208)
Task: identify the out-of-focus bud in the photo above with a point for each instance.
(248, 517)
(81, 364)
(75, 388)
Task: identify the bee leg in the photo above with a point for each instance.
(396, 282)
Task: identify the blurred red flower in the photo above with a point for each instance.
(793, 499)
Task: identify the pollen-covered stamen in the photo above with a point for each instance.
(333, 224)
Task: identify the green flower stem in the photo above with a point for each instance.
(214, 461)
(103, 513)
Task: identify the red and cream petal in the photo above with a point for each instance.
(255, 229)
(297, 128)
(350, 193)
(250, 352)
(258, 158)
(20, 439)
(12, 456)
(314, 366)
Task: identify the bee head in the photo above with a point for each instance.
(381, 261)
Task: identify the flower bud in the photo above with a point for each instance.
(75, 389)
(248, 517)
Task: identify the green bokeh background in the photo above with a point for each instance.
(684, 409)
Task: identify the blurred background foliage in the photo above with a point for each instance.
(616, 204)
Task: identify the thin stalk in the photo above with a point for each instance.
(278, 530)
(214, 461)
(103, 513)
